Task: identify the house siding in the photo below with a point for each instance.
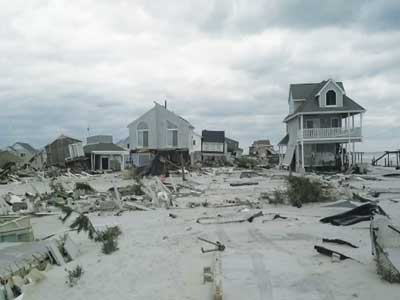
(324, 120)
(339, 95)
(157, 121)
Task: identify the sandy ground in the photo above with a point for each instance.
(159, 257)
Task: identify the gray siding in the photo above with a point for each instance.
(323, 120)
(339, 95)
(157, 120)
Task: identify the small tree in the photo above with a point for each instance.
(109, 238)
(74, 275)
(304, 190)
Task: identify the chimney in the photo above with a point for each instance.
(165, 104)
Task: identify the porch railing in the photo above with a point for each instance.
(322, 133)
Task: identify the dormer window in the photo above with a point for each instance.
(331, 98)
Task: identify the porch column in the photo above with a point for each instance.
(348, 127)
(361, 118)
(302, 142)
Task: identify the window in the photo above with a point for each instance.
(330, 98)
(172, 137)
(172, 134)
(335, 123)
(194, 142)
(309, 123)
(142, 135)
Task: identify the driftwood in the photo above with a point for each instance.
(328, 252)
(339, 241)
(220, 219)
(243, 183)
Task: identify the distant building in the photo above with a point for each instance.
(106, 156)
(261, 149)
(23, 151)
(213, 146)
(58, 151)
(94, 139)
(232, 148)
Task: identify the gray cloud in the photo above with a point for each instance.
(67, 66)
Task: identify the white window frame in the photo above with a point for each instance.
(316, 123)
(140, 142)
(169, 131)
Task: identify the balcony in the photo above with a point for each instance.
(330, 134)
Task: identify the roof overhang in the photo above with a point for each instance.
(288, 118)
(331, 81)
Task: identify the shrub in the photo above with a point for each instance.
(82, 222)
(303, 190)
(83, 186)
(74, 275)
(109, 238)
(278, 197)
(245, 162)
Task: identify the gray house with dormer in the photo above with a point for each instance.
(322, 127)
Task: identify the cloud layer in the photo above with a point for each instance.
(69, 65)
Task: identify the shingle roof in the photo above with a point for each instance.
(308, 92)
(213, 136)
(102, 147)
(304, 90)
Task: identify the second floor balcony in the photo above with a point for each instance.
(330, 134)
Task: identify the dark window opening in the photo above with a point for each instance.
(330, 98)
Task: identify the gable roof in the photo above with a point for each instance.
(213, 136)
(102, 147)
(159, 106)
(26, 146)
(309, 91)
(62, 136)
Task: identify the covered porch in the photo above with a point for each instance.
(108, 160)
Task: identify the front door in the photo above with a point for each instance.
(104, 163)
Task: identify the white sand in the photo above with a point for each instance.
(160, 257)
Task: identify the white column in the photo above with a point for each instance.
(361, 119)
(302, 142)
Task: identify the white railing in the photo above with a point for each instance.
(322, 133)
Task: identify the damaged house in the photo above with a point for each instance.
(232, 148)
(213, 146)
(59, 151)
(160, 131)
(261, 149)
(23, 151)
(322, 126)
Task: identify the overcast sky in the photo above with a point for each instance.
(224, 64)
